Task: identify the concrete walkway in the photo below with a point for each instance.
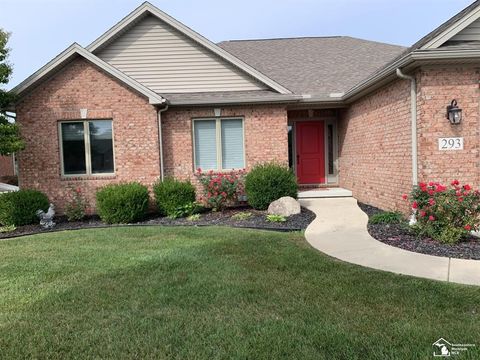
(340, 230)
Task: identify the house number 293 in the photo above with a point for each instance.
(450, 144)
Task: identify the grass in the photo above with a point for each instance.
(216, 293)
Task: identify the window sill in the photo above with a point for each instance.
(88, 177)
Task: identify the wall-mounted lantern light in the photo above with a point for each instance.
(454, 113)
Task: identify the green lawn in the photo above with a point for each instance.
(216, 293)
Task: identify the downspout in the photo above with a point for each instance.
(413, 113)
(160, 139)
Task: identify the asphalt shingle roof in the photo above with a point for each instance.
(317, 66)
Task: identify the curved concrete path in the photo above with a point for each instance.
(340, 230)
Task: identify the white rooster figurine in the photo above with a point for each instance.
(46, 218)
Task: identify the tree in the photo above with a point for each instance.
(10, 140)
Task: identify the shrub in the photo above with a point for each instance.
(172, 195)
(76, 208)
(386, 217)
(220, 189)
(194, 217)
(276, 218)
(186, 210)
(122, 203)
(445, 214)
(241, 216)
(269, 182)
(20, 207)
(7, 228)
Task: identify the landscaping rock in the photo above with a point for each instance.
(285, 206)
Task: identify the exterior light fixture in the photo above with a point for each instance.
(454, 113)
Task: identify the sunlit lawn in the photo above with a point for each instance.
(215, 293)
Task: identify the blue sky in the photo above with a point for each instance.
(43, 28)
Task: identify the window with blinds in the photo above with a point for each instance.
(219, 144)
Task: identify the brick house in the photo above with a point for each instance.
(152, 98)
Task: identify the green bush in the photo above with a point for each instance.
(268, 182)
(20, 207)
(174, 196)
(386, 217)
(122, 203)
(276, 218)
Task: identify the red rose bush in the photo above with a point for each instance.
(220, 189)
(445, 213)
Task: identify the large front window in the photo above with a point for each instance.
(87, 147)
(219, 144)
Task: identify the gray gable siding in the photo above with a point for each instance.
(167, 61)
(470, 33)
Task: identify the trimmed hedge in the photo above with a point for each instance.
(20, 207)
(122, 203)
(269, 182)
(172, 195)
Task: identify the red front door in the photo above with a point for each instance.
(310, 146)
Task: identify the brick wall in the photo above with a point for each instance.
(374, 146)
(265, 136)
(6, 166)
(437, 87)
(375, 136)
(80, 85)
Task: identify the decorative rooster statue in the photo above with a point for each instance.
(46, 218)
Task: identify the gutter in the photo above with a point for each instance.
(413, 113)
(242, 101)
(160, 139)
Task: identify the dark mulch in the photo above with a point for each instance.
(257, 221)
(401, 236)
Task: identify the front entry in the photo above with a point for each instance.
(310, 152)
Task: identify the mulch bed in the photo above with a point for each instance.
(401, 236)
(257, 220)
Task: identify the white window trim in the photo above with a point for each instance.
(218, 128)
(88, 157)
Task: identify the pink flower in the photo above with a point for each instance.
(414, 205)
(199, 170)
(431, 202)
(404, 196)
(423, 214)
(431, 183)
(455, 182)
(431, 218)
(460, 199)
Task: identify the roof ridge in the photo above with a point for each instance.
(311, 37)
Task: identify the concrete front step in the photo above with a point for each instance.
(324, 193)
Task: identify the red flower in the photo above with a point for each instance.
(404, 196)
(441, 188)
(79, 190)
(455, 182)
(431, 218)
(468, 227)
(422, 185)
(431, 202)
(460, 199)
(431, 183)
(199, 170)
(414, 205)
(423, 214)
(467, 187)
